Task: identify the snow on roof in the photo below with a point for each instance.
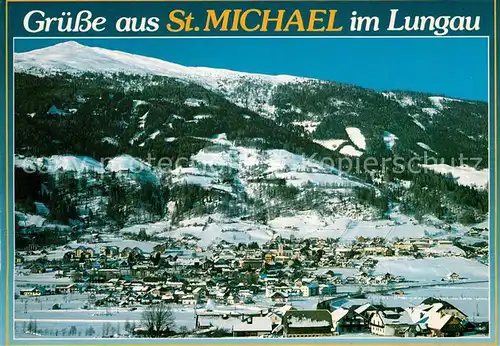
(393, 317)
(282, 310)
(362, 308)
(261, 324)
(338, 314)
(437, 321)
(218, 322)
(307, 322)
(307, 319)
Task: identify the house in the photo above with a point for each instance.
(367, 310)
(65, 289)
(83, 251)
(250, 263)
(79, 251)
(253, 326)
(89, 253)
(110, 251)
(125, 252)
(225, 322)
(200, 293)
(349, 321)
(188, 299)
(279, 297)
(307, 323)
(344, 253)
(444, 325)
(268, 258)
(231, 299)
(327, 289)
(32, 292)
(392, 322)
(441, 318)
(310, 290)
(19, 259)
(406, 246)
(276, 315)
(59, 274)
(37, 268)
(285, 251)
(441, 306)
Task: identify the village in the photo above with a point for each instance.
(285, 287)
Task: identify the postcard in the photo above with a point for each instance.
(257, 172)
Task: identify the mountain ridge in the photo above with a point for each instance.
(64, 53)
(150, 107)
(30, 62)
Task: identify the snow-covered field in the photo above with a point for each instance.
(310, 224)
(211, 164)
(78, 164)
(464, 175)
(150, 229)
(356, 137)
(432, 269)
(349, 150)
(72, 314)
(213, 229)
(472, 299)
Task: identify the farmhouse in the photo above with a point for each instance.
(307, 323)
(348, 321)
(253, 326)
(392, 322)
(32, 292)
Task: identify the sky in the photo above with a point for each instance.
(454, 67)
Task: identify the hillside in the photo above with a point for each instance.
(135, 139)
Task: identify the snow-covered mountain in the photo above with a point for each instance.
(72, 57)
(326, 111)
(251, 145)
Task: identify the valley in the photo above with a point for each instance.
(237, 198)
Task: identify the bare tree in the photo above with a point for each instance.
(158, 320)
(107, 329)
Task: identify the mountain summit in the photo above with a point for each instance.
(72, 57)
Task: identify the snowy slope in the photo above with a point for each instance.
(464, 175)
(59, 162)
(72, 57)
(356, 137)
(79, 164)
(210, 164)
